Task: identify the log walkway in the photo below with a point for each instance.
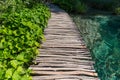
(64, 55)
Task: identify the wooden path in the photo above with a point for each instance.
(64, 55)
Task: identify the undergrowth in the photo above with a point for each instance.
(21, 30)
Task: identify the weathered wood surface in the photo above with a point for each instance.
(64, 55)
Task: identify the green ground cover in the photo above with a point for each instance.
(22, 23)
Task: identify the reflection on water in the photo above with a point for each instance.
(102, 36)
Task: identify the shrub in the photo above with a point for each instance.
(80, 7)
(72, 5)
(102, 4)
(117, 7)
(117, 10)
(21, 32)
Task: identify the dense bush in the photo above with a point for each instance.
(81, 6)
(101, 4)
(106, 5)
(72, 5)
(117, 7)
(21, 31)
(117, 10)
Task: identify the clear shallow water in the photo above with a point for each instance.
(102, 36)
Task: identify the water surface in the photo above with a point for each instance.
(102, 36)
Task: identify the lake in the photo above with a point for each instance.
(102, 36)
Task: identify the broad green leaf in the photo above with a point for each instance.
(16, 76)
(2, 71)
(15, 32)
(26, 77)
(20, 70)
(9, 73)
(14, 63)
(36, 43)
(1, 45)
(2, 40)
(21, 57)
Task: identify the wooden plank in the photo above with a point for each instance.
(61, 56)
(55, 77)
(58, 66)
(61, 27)
(50, 39)
(67, 79)
(64, 46)
(64, 53)
(64, 36)
(82, 59)
(38, 68)
(61, 64)
(67, 50)
(64, 42)
(87, 73)
(66, 57)
(58, 33)
(61, 33)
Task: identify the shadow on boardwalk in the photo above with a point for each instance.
(64, 55)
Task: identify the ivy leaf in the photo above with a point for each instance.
(14, 63)
(26, 77)
(18, 46)
(36, 43)
(21, 57)
(1, 45)
(20, 70)
(8, 73)
(2, 71)
(16, 76)
(15, 32)
(37, 51)
(2, 40)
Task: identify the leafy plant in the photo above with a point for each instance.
(102, 4)
(80, 7)
(117, 7)
(21, 32)
(72, 5)
(117, 10)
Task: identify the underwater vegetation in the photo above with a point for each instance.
(102, 36)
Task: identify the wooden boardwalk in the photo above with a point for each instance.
(64, 55)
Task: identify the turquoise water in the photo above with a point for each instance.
(102, 36)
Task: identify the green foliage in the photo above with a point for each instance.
(117, 7)
(101, 4)
(72, 5)
(80, 7)
(106, 5)
(117, 10)
(21, 31)
(11, 5)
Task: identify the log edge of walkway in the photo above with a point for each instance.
(63, 39)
